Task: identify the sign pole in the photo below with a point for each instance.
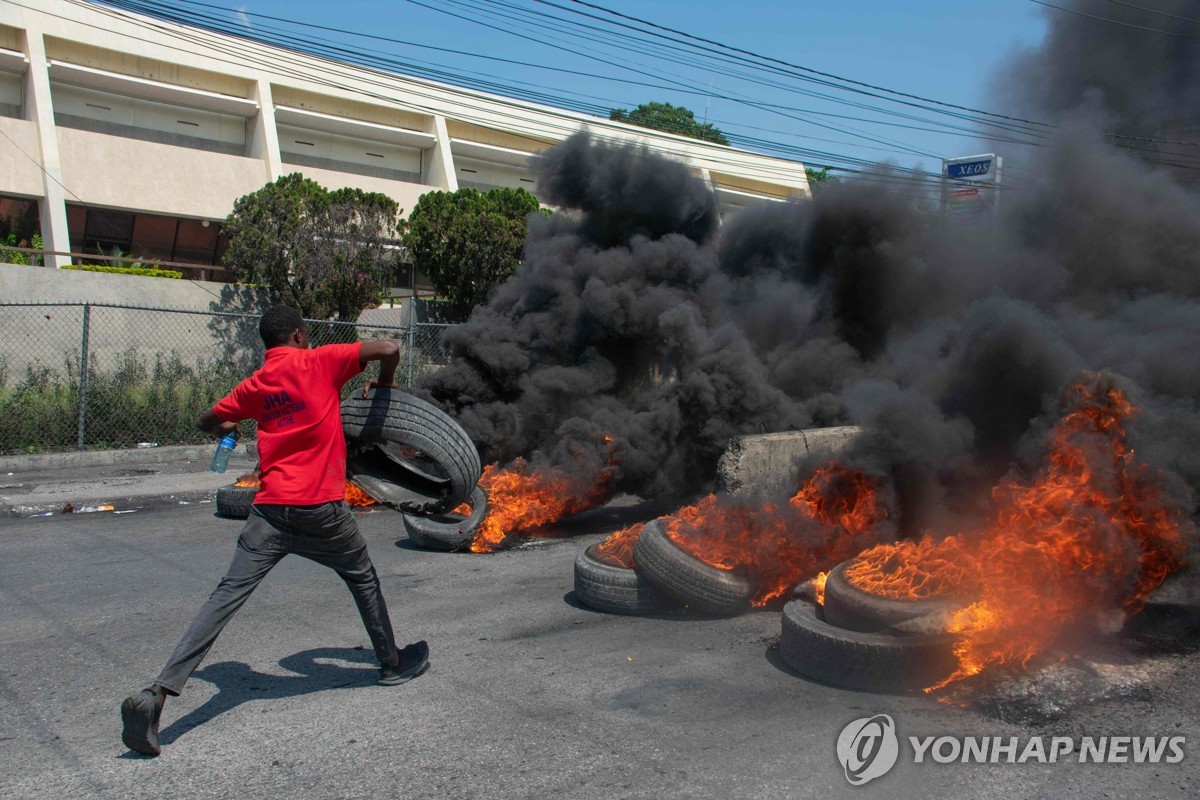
(996, 187)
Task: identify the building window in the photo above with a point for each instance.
(145, 237)
(19, 219)
(154, 237)
(106, 231)
(12, 95)
(196, 242)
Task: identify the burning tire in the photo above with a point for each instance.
(408, 454)
(678, 575)
(234, 501)
(854, 609)
(448, 532)
(606, 586)
(873, 662)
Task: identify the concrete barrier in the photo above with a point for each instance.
(765, 464)
(103, 458)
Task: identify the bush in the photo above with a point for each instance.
(146, 271)
(469, 241)
(137, 400)
(13, 257)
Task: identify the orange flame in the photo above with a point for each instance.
(522, 498)
(1085, 540)
(819, 587)
(357, 497)
(618, 548)
(835, 514)
(248, 480)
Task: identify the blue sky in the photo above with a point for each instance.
(948, 51)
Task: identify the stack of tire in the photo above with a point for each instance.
(662, 577)
(850, 638)
(858, 640)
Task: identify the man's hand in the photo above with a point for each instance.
(376, 384)
(209, 422)
(387, 353)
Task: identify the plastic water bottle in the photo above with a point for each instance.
(225, 447)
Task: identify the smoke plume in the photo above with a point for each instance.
(635, 316)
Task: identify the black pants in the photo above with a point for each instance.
(326, 533)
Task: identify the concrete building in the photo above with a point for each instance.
(123, 131)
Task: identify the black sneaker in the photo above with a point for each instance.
(140, 713)
(414, 660)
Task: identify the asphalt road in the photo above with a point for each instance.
(529, 695)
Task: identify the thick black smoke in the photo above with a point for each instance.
(615, 326)
(1138, 78)
(633, 316)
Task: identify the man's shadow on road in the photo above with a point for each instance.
(237, 683)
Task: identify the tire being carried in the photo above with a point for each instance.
(448, 532)
(699, 586)
(873, 662)
(406, 453)
(234, 501)
(606, 586)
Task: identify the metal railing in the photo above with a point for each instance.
(81, 375)
(37, 257)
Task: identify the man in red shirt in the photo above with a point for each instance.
(295, 398)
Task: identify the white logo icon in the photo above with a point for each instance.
(868, 748)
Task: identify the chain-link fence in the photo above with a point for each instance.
(77, 376)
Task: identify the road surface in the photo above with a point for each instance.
(529, 695)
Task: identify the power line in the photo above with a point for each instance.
(795, 66)
(1153, 11)
(692, 88)
(241, 34)
(847, 164)
(355, 56)
(1115, 22)
(305, 73)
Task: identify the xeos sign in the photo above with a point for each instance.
(974, 168)
(971, 185)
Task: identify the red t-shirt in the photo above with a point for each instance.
(295, 397)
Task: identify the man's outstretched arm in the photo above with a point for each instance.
(387, 353)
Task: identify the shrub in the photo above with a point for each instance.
(135, 400)
(146, 271)
(13, 257)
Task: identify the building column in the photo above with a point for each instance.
(438, 162)
(39, 109)
(264, 136)
(707, 177)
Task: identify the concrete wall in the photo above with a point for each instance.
(137, 175)
(30, 284)
(765, 465)
(48, 336)
(18, 159)
(405, 194)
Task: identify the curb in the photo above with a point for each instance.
(123, 504)
(104, 458)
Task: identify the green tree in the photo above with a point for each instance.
(468, 241)
(327, 253)
(669, 118)
(819, 179)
